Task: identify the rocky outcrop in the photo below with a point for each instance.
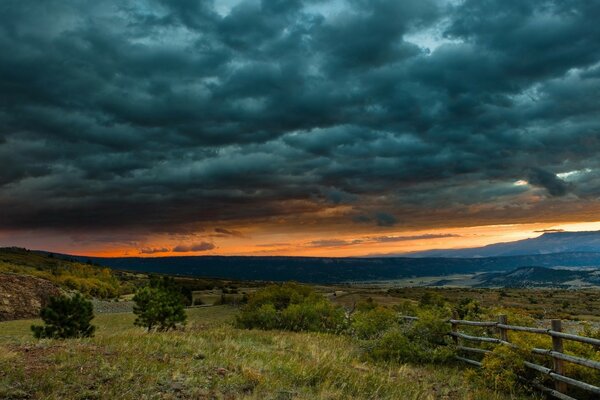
(23, 296)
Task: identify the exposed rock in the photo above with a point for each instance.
(107, 307)
(23, 296)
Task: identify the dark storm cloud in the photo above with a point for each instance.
(202, 246)
(388, 239)
(554, 185)
(160, 114)
(378, 239)
(228, 232)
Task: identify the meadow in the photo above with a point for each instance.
(210, 359)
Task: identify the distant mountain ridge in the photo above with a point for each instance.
(557, 249)
(336, 270)
(547, 243)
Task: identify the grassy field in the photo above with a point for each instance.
(211, 360)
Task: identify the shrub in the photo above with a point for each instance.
(313, 314)
(373, 322)
(159, 306)
(366, 305)
(431, 329)
(422, 341)
(290, 306)
(468, 308)
(396, 345)
(66, 317)
(432, 299)
(280, 296)
(406, 307)
(501, 368)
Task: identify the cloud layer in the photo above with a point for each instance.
(167, 116)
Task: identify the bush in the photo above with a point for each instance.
(396, 345)
(501, 368)
(293, 307)
(66, 317)
(430, 329)
(432, 299)
(422, 341)
(159, 306)
(468, 308)
(366, 305)
(373, 322)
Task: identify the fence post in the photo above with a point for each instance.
(557, 345)
(454, 327)
(503, 319)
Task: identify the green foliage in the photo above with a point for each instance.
(585, 351)
(313, 314)
(66, 317)
(421, 341)
(432, 299)
(367, 305)
(406, 307)
(431, 328)
(371, 323)
(293, 307)
(280, 296)
(467, 308)
(502, 367)
(159, 306)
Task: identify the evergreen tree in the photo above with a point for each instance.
(159, 306)
(66, 317)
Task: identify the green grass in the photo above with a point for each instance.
(210, 359)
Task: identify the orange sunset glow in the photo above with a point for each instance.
(253, 242)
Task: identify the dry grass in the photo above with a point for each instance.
(211, 360)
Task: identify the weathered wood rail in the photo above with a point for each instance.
(556, 373)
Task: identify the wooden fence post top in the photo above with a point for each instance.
(556, 325)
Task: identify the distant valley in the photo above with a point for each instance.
(537, 262)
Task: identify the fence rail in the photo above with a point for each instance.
(556, 373)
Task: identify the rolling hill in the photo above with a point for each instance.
(337, 270)
(529, 277)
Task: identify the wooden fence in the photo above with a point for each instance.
(556, 373)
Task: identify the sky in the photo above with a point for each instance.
(329, 128)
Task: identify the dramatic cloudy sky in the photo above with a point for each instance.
(295, 127)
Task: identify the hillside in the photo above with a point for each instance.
(336, 270)
(547, 243)
(63, 272)
(542, 277)
(23, 296)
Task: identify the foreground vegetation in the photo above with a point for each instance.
(211, 359)
(286, 341)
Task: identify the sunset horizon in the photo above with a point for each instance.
(392, 243)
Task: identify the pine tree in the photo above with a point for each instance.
(159, 306)
(66, 317)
